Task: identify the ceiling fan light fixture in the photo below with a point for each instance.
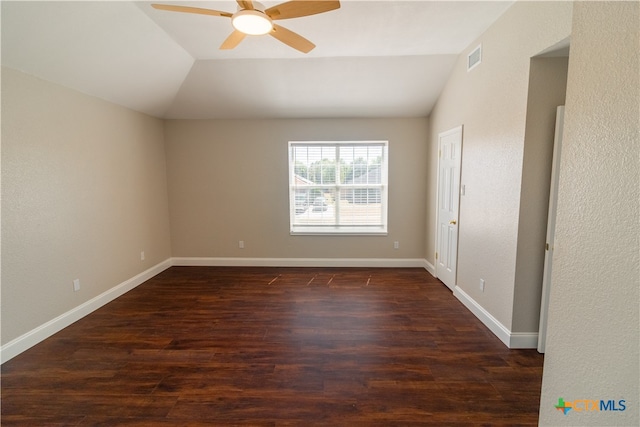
(252, 22)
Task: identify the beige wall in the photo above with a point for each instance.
(83, 193)
(593, 333)
(228, 181)
(491, 102)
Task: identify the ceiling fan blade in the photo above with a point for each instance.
(233, 40)
(246, 4)
(298, 8)
(188, 9)
(292, 39)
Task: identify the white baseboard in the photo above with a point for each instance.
(524, 340)
(299, 262)
(510, 339)
(44, 331)
(429, 267)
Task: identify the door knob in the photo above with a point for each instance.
(453, 221)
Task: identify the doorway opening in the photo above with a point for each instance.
(547, 90)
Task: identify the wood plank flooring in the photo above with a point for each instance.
(275, 346)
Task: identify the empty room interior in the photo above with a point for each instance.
(373, 213)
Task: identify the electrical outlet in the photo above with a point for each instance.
(396, 245)
(482, 285)
(241, 244)
(76, 285)
(142, 256)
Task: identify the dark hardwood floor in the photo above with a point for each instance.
(275, 346)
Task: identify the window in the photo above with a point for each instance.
(338, 187)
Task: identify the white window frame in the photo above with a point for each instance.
(298, 228)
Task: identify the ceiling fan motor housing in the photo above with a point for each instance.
(252, 22)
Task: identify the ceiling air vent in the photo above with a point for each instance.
(474, 58)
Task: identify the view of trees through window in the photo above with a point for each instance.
(338, 187)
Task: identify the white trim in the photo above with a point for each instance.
(485, 317)
(551, 228)
(510, 339)
(523, 340)
(429, 267)
(300, 262)
(44, 331)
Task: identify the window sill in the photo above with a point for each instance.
(334, 231)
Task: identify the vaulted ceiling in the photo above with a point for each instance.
(373, 58)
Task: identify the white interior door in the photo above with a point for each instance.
(450, 157)
(551, 230)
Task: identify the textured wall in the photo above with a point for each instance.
(83, 193)
(593, 335)
(228, 181)
(491, 102)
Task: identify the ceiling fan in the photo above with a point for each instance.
(253, 19)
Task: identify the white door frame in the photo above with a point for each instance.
(456, 191)
(551, 229)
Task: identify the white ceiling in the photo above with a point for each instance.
(373, 58)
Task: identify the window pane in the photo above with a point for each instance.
(362, 208)
(317, 164)
(320, 209)
(338, 187)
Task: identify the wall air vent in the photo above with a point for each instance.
(474, 58)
